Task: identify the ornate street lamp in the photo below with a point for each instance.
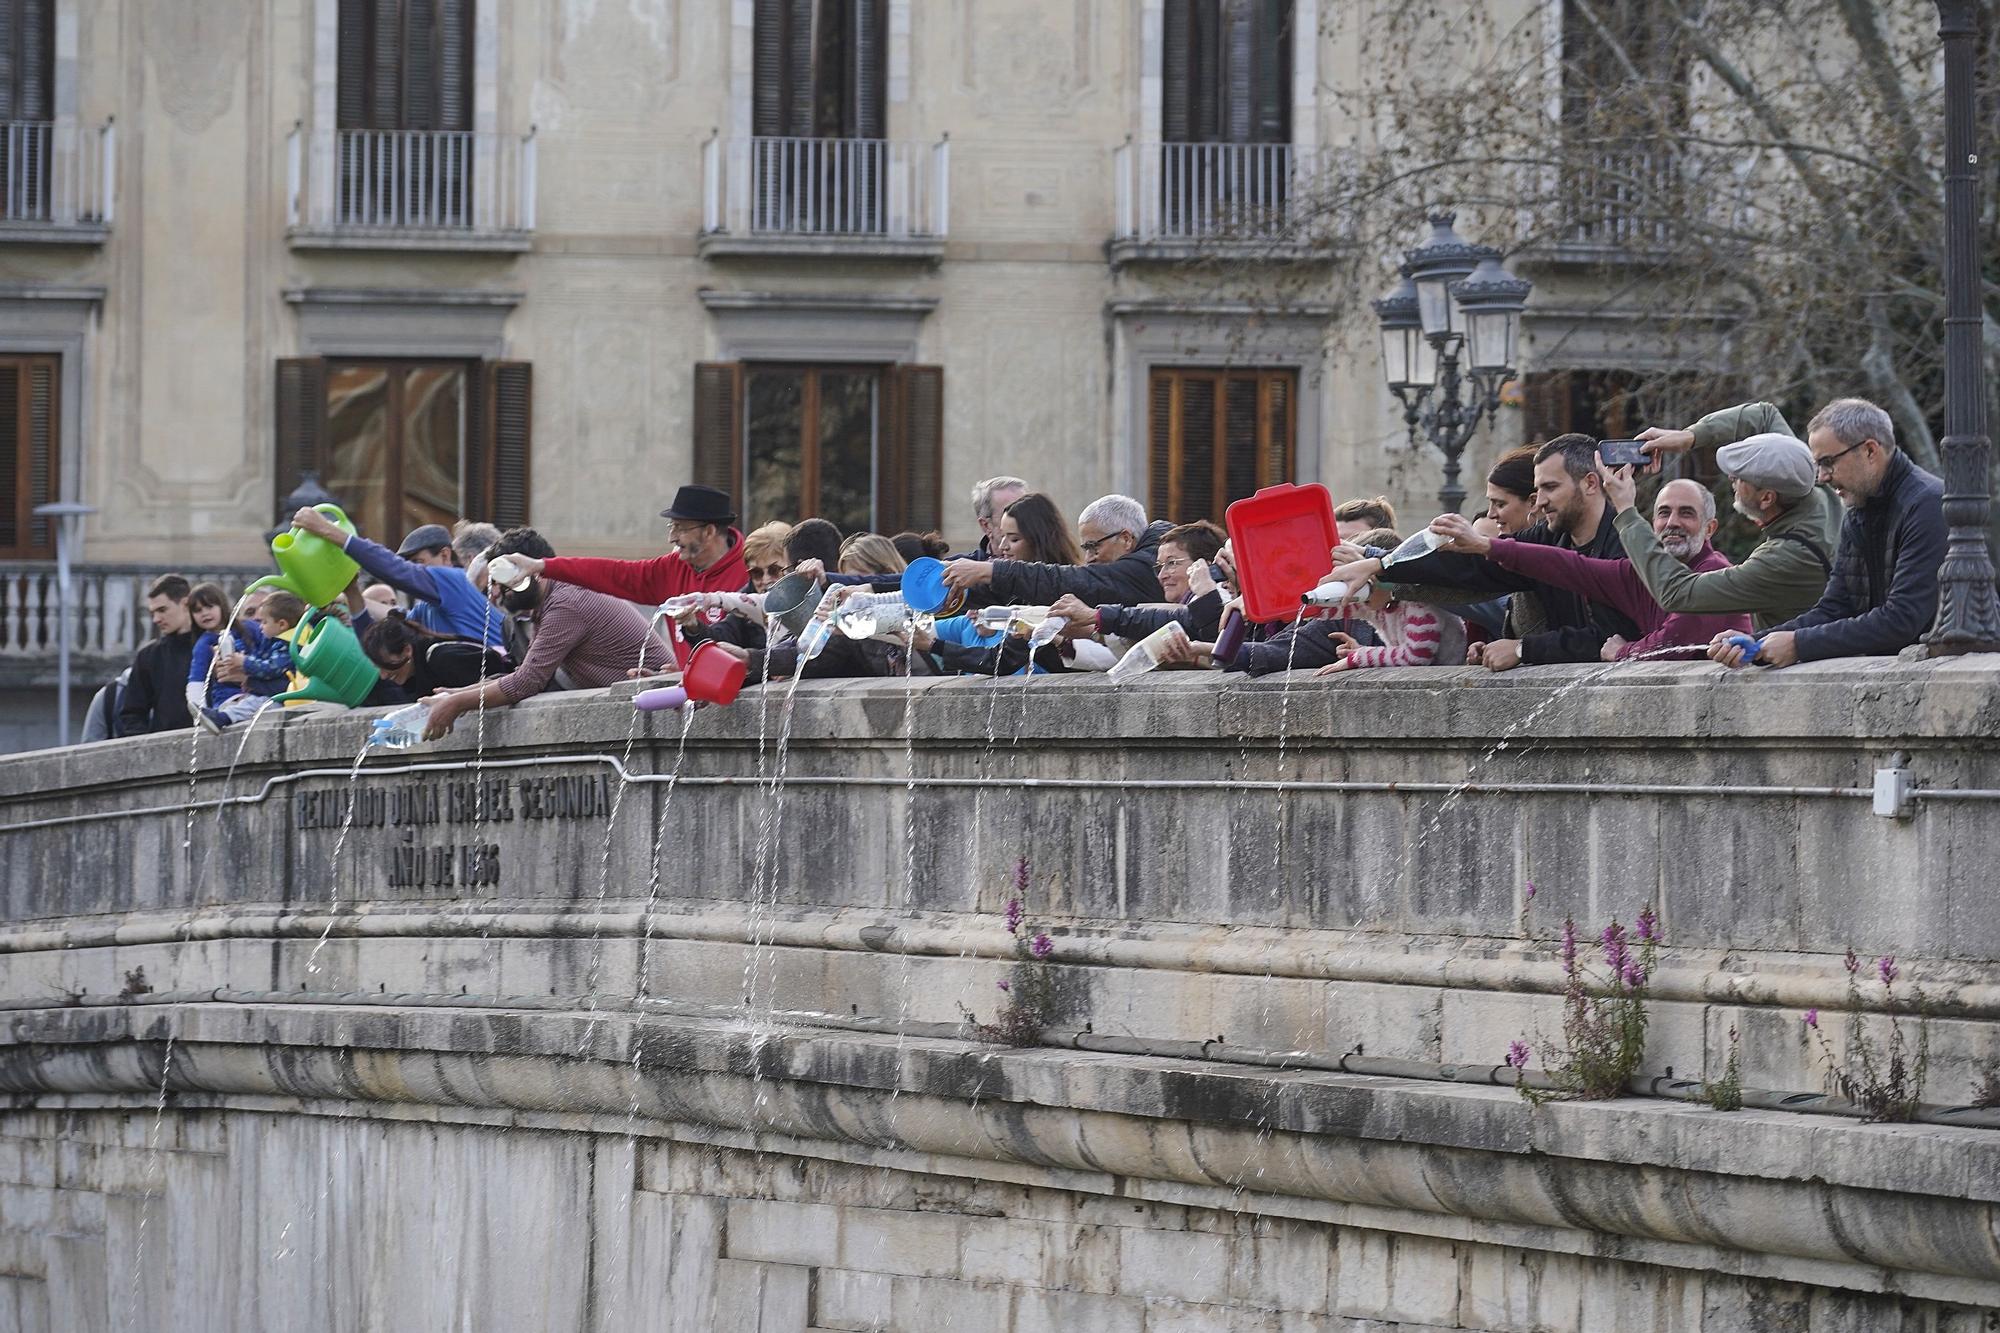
(1968, 615)
(1455, 303)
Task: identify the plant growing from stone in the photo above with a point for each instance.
(1604, 1013)
(1726, 1093)
(1029, 992)
(1885, 1080)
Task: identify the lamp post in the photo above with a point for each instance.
(1968, 615)
(68, 517)
(1455, 303)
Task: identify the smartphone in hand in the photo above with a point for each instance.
(1623, 453)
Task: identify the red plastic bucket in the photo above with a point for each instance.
(1283, 539)
(714, 675)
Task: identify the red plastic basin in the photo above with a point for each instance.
(1283, 539)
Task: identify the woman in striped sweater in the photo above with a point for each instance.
(1412, 633)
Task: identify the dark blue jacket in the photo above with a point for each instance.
(1883, 593)
(447, 601)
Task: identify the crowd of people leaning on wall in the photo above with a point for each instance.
(1564, 565)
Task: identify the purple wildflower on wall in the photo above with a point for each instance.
(1615, 952)
(1812, 1018)
(1649, 925)
(1569, 945)
(1517, 1054)
(1852, 963)
(1005, 985)
(1885, 967)
(1013, 916)
(1633, 974)
(1021, 874)
(1531, 891)
(1041, 946)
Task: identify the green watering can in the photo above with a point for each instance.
(311, 567)
(331, 659)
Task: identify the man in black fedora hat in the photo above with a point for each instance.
(707, 556)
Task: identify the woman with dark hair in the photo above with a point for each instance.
(1033, 529)
(414, 661)
(917, 545)
(1510, 490)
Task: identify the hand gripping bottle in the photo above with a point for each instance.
(1144, 655)
(401, 729)
(867, 614)
(818, 631)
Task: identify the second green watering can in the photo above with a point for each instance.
(311, 566)
(331, 659)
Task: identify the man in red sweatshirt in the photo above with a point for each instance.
(707, 556)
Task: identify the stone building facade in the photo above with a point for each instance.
(545, 261)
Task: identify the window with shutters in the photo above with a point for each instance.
(30, 387)
(1624, 112)
(860, 446)
(403, 101)
(819, 116)
(1218, 436)
(1225, 116)
(403, 443)
(27, 108)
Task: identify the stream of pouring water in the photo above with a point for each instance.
(339, 846)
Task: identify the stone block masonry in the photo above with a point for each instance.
(462, 1074)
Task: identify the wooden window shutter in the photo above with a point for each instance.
(1271, 73)
(510, 419)
(28, 447)
(301, 425)
(454, 64)
(869, 53)
(718, 428)
(910, 474)
(768, 69)
(1163, 433)
(27, 59)
(1238, 62)
(1176, 67)
(1203, 417)
(799, 120)
(384, 83)
(351, 100)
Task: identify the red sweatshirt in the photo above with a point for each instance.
(1616, 584)
(650, 582)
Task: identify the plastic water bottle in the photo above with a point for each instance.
(1334, 593)
(673, 606)
(867, 614)
(1045, 631)
(1423, 542)
(999, 619)
(401, 729)
(503, 571)
(1144, 655)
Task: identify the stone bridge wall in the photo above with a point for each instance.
(425, 1049)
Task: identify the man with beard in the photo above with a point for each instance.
(1771, 474)
(1683, 522)
(1569, 498)
(707, 556)
(1883, 592)
(585, 638)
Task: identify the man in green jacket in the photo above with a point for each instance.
(1776, 488)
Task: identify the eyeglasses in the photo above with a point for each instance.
(1824, 466)
(1167, 566)
(766, 571)
(683, 528)
(1090, 548)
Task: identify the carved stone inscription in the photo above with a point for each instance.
(400, 823)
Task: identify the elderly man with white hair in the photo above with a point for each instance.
(1119, 546)
(990, 499)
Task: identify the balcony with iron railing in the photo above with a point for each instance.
(1612, 202)
(854, 198)
(409, 190)
(57, 181)
(108, 619)
(1177, 202)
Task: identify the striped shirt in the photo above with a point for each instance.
(591, 638)
(1411, 635)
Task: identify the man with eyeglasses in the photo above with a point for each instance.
(1119, 547)
(1883, 591)
(707, 556)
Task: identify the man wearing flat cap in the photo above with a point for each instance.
(707, 556)
(426, 568)
(1881, 590)
(1771, 472)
